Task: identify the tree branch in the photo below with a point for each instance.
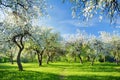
(21, 42)
(23, 6)
(14, 40)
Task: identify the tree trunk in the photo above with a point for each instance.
(117, 61)
(48, 59)
(116, 58)
(75, 59)
(88, 58)
(21, 47)
(32, 57)
(39, 59)
(104, 58)
(11, 59)
(19, 61)
(80, 59)
(40, 55)
(51, 58)
(93, 61)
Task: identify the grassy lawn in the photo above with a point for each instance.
(60, 71)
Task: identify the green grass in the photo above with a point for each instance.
(60, 71)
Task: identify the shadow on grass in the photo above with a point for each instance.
(9, 72)
(27, 75)
(2, 66)
(34, 75)
(97, 67)
(92, 78)
(100, 67)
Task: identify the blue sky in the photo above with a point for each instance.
(62, 21)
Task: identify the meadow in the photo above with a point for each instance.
(60, 71)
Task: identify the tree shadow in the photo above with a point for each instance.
(86, 77)
(34, 75)
(8, 72)
(2, 66)
(105, 67)
(27, 75)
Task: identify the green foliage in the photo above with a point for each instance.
(4, 59)
(1, 60)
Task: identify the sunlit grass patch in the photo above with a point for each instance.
(60, 71)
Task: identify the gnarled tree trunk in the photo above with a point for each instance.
(40, 55)
(38, 58)
(19, 61)
(21, 47)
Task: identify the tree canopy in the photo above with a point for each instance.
(86, 9)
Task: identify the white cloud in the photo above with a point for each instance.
(117, 26)
(118, 21)
(78, 23)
